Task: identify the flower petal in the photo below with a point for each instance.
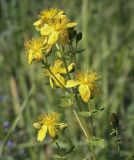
(52, 131)
(58, 63)
(60, 13)
(30, 57)
(71, 83)
(37, 23)
(71, 25)
(42, 133)
(53, 38)
(60, 79)
(46, 30)
(84, 92)
(71, 67)
(59, 67)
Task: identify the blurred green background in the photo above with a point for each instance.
(108, 37)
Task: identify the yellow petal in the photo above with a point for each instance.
(84, 92)
(58, 63)
(44, 41)
(52, 131)
(46, 30)
(59, 66)
(37, 23)
(30, 57)
(42, 133)
(71, 25)
(62, 70)
(71, 83)
(59, 16)
(53, 38)
(71, 67)
(60, 13)
(60, 80)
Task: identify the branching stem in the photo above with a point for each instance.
(82, 124)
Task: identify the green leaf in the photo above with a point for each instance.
(79, 51)
(97, 142)
(66, 103)
(58, 157)
(85, 114)
(67, 100)
(102, 108)
(94, 111)
(113, 132)
(97, 110)
(129, 157)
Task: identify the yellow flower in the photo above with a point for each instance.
(57, 30)
(86, 81)
(47, 16)
(48, 122)
(35, 48)
(54, 24)
(55, 71)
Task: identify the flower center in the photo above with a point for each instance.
(86, 81)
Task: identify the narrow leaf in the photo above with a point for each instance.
(85, 114)
(97, 143)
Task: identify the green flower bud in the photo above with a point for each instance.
(62, 126)
(72, 34)
(79, 36)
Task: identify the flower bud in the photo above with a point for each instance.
(79, 36)
(72, 34)
(71, 67)
(62, 126)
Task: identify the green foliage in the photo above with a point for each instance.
(108, 38)
(85, 114)
(97, 142)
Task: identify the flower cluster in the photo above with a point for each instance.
(53, 26)
(56, 31)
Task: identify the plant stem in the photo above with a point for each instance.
(92, 128)
(91, 118)
(79, 121)
(74, 54)
(82, 124)
(75, 93)
(59, 149)
(85, 133)
(117, 138)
